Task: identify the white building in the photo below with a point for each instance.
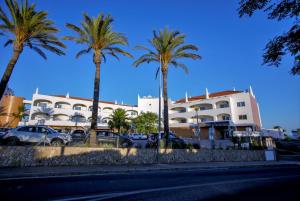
(224, 111)
(68, 111)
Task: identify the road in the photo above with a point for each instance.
(251, 183)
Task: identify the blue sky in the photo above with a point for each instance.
(231, 48)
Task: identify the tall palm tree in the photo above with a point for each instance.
(26, 27)
(98, 37)
(168, 47)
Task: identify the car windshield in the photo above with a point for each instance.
(52, 130)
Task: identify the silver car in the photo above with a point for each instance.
(39, 135)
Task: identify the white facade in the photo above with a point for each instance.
(70, 111)
(238, 106)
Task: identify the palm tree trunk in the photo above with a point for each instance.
(9, 69)
(97, 61)
(166, 108)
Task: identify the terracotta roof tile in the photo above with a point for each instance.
(212, 95)
(88, 99)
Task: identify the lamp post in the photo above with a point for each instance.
(198, 126)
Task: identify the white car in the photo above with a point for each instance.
(36, 135)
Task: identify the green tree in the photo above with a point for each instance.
(119, 120)
(287, 43)
(26, 27)
(98, 37)
(146, 122)
(20, 114)
(169, 46)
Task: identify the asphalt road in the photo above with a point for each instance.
(253, 183)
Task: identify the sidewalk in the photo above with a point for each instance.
(30, 172)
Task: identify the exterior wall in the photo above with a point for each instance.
(48, 114)
(233, 110)
(74, 156)
(181, 114)
(255, 111)
(150, 104)
(9, 106)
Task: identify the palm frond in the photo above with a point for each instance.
(180, 65)
(40, 52)
(53, 49)
(157, 72)
(169, 46)
(97, 34)
(82, 52)
(10, 41)
(29, 26)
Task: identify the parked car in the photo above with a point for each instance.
(153, 136)
(175, 142)
(36, 135)
(3, 131)
(107, 137)
(79, 136)
(138, 136)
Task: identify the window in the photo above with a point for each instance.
(42, 104)
(224, 105)
(77, 108)
(241, 104)
(203, 108)
(24, 129)
(27, 129)
(58, 106)
(225, 118)
(243, 117)
(42, 130)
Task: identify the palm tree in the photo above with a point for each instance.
(98, 36)
(26, 27)
(169, 46)
(119, 120)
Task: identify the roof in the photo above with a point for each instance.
(211, 95)
(88, 99)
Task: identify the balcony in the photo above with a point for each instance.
(177, 110)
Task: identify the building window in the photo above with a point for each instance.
(58, 106)
(224, 105)
(225, 118)
(241, 104)
(243, 117)
(77, 108)
(203, 108)
(42, 104)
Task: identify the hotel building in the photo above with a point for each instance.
(215, 114)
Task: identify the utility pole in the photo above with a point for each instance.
(198, 126)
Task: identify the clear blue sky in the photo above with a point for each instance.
(231, 48)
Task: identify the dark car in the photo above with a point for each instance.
(3, 132)
(175, 142)
(107, 137)
(79, 136)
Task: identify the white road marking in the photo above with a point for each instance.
(114, 195)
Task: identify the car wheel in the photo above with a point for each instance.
(12, 141)
(56, 143)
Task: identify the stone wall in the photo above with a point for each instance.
(72, 156)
